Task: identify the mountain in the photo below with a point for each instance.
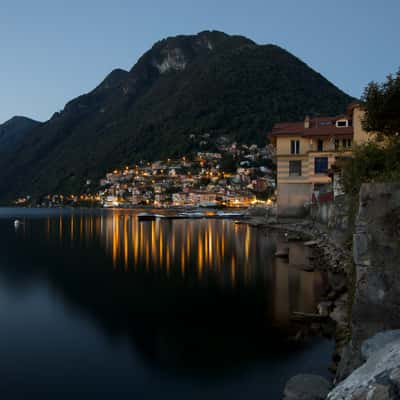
(206, 83)
(13, 131)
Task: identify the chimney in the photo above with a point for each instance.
(307, 122)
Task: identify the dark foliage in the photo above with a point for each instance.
(382, 103)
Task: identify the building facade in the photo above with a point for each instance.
(305, 152)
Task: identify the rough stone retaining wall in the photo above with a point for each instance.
(376, 254)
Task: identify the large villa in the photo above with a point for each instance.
(305, 152)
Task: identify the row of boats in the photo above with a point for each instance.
(190, 215)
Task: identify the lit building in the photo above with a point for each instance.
(305, 151)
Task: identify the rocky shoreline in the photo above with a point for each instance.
(331, 255)
(363, 298)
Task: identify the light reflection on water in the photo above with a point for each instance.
(200, 250)
(202, 307)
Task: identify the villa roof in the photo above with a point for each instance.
(319, 126)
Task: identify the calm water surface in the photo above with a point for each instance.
(95, 304)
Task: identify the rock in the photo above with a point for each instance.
(379, 392)
(257, 211)
(340, 311)
(324, 308)
(282, 252)
(272, 220)
(332, 295)
(311, 243)
(379, 377)
(293, 238)
(307, 317)
(306, 387)
(376, 273)
(303, 267)
(338, 281)
(378, 341)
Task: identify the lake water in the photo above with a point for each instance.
(97, 305)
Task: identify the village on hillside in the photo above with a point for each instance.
(232, 176)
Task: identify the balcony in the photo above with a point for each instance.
(329, 146)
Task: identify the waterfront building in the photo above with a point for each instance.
(305, 152)
(179, 199)
(203, 198)
(239, 200)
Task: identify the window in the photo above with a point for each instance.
(295, 168)
(320, 145)
(337, 144)
(295, 146)
(342, 124)
(325, 123)
(347, 143)
(321, 165)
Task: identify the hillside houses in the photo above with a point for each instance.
(194, 181)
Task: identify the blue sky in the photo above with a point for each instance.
(55, 50)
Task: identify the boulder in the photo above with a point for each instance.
(379, 377)
(306, 387)
(324, 308)
(378, 341)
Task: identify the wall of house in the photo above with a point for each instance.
(283, 145)
(308, 169)
(320, 178)
(292, 198)
(283, 169)
(360, 135)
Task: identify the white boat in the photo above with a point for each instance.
(191, 215)
(17, 223)
(222, 214)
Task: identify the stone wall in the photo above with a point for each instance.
(292, 198)
(376, 254)
(334, 214)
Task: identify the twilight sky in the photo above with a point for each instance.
(55, 50)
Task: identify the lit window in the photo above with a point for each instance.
(295, 168)
(295, 146)
(342, 124)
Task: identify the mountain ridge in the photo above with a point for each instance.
(189, 84)
(14, 130)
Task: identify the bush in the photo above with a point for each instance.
(372, 162)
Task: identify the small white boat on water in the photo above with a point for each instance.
(232, 214)
(191, 215)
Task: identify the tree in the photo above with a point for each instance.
(382, 107)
